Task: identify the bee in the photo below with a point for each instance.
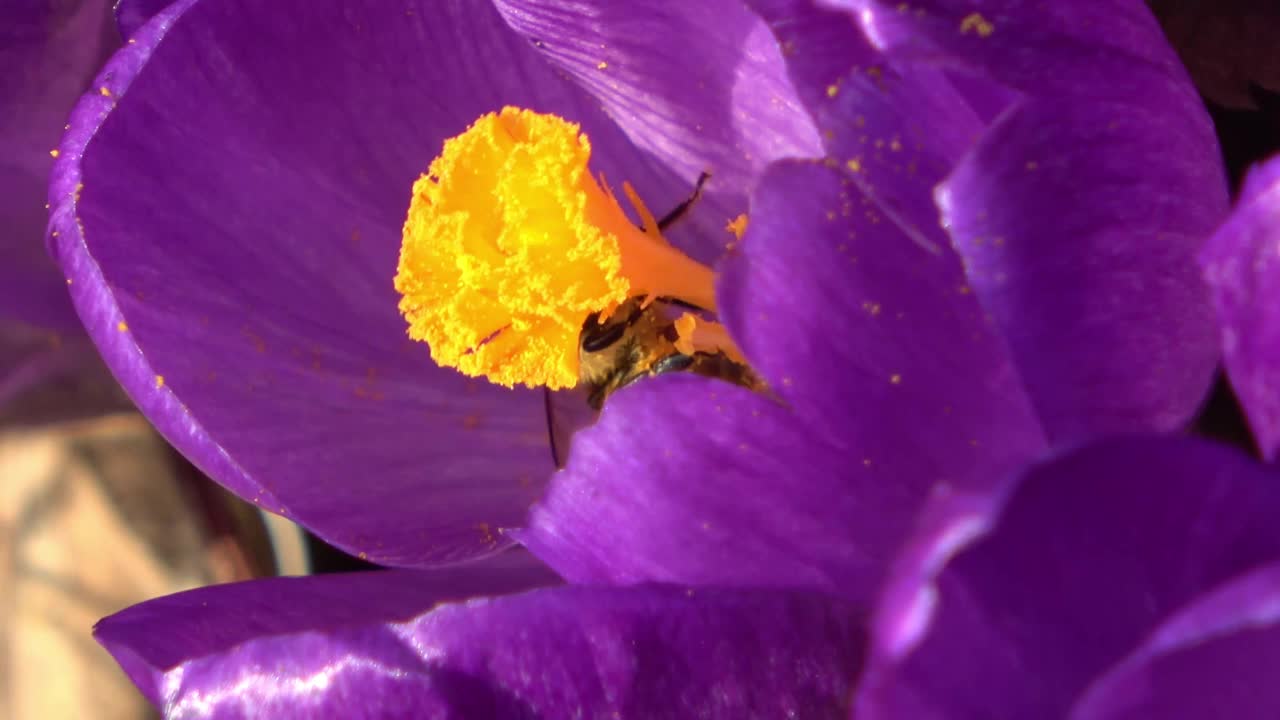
(639, 340)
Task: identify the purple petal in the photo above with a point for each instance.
(845, 316)
(649, 652)
(1090, 553)
(154, 638)
(698, 482)
(1086, 263)
(700, 86)
(1102, 48)
(131, 15)
(48, 369)
(900, 126)
(50, 377)
(49, 52)
(1243, 271)
(244, 293)
(1084, 258)
(1215, 658)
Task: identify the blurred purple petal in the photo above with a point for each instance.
(133, 14)
(1243, 270)
(49, 52)
(244, 293)
(1090, 553)
(47, 376)
(1260, 179)
(649, 652)
(701, 86)
(1215, 658)
(48, 369)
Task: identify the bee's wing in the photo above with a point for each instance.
(567, 413)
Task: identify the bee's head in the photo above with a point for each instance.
(598, 336)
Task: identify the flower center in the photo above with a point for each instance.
(511, 244)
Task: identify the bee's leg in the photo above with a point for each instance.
(672, 363)
(682, 304)
(596, 398)
(551, 428)
(678, 211)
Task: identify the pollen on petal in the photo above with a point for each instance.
(976, 23)
(738, 226)
(694, 335)
(511, 244)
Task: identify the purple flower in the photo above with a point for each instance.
(50, 52)
(969, 248)
(244, 298)
(1134, 578)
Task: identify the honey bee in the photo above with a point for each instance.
(638, 341)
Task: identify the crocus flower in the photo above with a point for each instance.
(296, 164)
(969, 246)
(50, 52)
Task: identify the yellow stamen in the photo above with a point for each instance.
(510, 244)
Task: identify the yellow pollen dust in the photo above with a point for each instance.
(511, 244)
(694, 336)
(976, 23)
(737, 226)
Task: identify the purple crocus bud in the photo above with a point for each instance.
(50, 52)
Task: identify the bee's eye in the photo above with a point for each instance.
(599, 337)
